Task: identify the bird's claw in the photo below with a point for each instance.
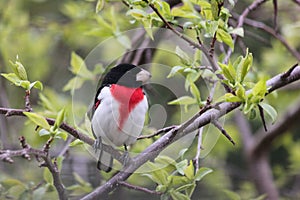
(97, 144)
(125, 158)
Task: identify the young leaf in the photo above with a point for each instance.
(47, 176)
(184, 100)
(174, 70)
(215, 9)
(189, 170)
(195, 92)
(36, 84)
(61, 135)
(226, 72)
(244, 66)
(259, 91)
(185, 59)
(38, 120)
(178, 195)
(137, 13)
(59, 119)
(269, 110)
(12, 77)
(76, 143)
(19, 70)
(232, 98)
(223, 36)
(99, 5)
(43, 132)
(181, 166)
(203, 171)
(78, 66)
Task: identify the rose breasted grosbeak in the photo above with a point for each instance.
(119, 110)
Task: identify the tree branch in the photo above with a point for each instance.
(138, 188)
(263, 140)
(275, 34)
(6, 155)
(241, 19)
(199, 120)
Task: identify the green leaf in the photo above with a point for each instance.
(215, 9)
(184, 100)
(48, 176)
(174, 70)
(227, 72)
(232, 98)
(76, 143)
(244, 66)
(178, 196)
(203, 171)
(195, 92)
(241, 92)
(181, 166)
(73, 84)
(59, 119)
(237, 31)
(36, 84)
(10, 182)
(223, 36)
(189, 171)
(269, 110)
(25, 85)
(137, 13)
(99, 5)
(147, 23)
(43, 132)
(78, 66)
(182, 152)
(232, 195)
(19, 70)
(12, 77)
(161, 188)
(59, 161)
(258, 91)
(185, 59)
(62, 135)
(37, 119)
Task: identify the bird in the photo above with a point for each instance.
(119, 110)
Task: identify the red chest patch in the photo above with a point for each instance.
(128, 99)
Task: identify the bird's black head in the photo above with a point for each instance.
(127, 75)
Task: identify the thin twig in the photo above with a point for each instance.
(199, 46)
(275, 34)
(62, 193)
(289, 71)
(139, 188)
(241, 19)
(297, 2)
(275, 5)
(27, 101)
(223, 131)
(199, 147)
(262, 116)
(160, 131)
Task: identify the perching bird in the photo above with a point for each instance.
(119, 110)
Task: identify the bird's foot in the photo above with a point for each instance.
(97, 144)
(125, 158)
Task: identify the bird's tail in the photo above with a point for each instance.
(105, 161)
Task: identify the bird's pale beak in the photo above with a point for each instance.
(143, 76)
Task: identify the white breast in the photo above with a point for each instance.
(106, 119)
